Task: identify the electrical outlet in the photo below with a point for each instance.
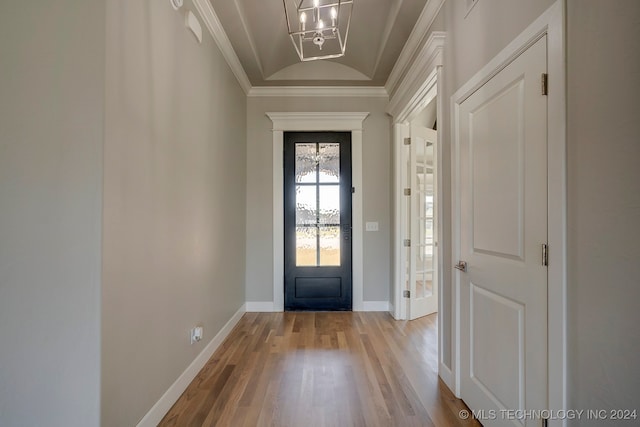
(196, 334)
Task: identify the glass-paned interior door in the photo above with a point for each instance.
(423, 246)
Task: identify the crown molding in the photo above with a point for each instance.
(419, 79)
(309, 91)
(217, 32)
(418, 34)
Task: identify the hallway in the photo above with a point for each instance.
(321, 369)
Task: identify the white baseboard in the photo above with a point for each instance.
(375, 306)
(260, 307)
(162, 406)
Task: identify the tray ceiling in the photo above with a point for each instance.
(258, 33)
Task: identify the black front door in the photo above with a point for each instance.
(317, 221)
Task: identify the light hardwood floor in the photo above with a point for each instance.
(322, 369)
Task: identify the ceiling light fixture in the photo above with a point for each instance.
(309, 29)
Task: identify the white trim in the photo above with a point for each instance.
(317, 122)
(260, 307)
(375, 306)
(419, 79)
(323, 121)
(557, 200)
(420, 29)
(162, 406)
(357, 215)
(220, 37)
(444, 372)
(419, 87)
(310, 91)
(278, 218)
(552, 23)
(400, 131)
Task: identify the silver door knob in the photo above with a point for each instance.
(462, 266)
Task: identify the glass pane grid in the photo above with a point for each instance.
(424, 256)
(317, 204)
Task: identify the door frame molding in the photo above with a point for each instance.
(317, 122)
(552, 24)
(423, 82)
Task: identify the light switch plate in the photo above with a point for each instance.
(372, 226)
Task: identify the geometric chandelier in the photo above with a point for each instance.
(318, 28)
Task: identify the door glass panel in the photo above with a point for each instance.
(306, 204)
(329, 246)
(330, 204)
(425, 181)
(407, 172)
(306, 164)
(306, 246)
(317, 204)
(329, 162)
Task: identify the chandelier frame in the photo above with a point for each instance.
(305, 39)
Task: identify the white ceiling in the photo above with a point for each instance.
(257, 30)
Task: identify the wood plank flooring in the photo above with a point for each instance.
(325, 369)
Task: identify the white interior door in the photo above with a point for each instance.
(503, 227)
(423, 247)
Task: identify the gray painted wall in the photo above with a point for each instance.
(377, 202)
(604, 206)
(174, 202)
(51, 138)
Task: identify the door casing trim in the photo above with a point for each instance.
(320, 122)
(423, 82)
(552, 24)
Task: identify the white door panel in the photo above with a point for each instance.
(503, 207)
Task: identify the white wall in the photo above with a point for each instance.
(174, 202)
(376, 192)
(604, 206)
(51, 139)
